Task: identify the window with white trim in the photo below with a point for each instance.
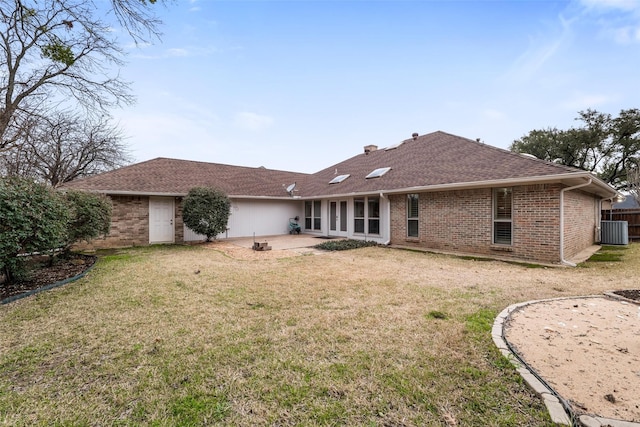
(317, 215)
(502, 216)
(413, 203)
(358, 215)
(366, 215)
(373, 215)
(313, 215)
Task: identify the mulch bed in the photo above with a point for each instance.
(41, 275)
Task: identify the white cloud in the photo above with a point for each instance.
(618, 20)
(493, 114)
(541, 51)
(626, 5)
(582, 101)
(624, 35)
(180, 52)
(177, 52)
(252, 121)
(163, 135)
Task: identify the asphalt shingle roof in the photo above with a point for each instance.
(433, 159)
(173, 176)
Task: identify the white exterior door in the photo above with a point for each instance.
(338, 218)
(161, 212)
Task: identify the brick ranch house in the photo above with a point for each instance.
(436, 191)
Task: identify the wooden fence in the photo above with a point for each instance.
(632, 216)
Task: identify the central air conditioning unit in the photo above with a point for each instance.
(614, 233)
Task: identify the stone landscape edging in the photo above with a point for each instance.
(559, 410)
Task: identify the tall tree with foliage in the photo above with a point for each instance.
(206, 211)
(608, 146)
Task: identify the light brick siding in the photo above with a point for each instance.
(580, 210)
(129, 224)
(179, 227)
(461, 221)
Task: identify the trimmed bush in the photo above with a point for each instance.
(33, 218)
(206, 211)
(90, 216)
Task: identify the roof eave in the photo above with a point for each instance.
(597, 186)
(180, 194)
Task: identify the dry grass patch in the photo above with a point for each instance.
(193, 336)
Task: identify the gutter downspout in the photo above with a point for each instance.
(388, 215)
(562, 260)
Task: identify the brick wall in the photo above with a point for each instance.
(129, 224)
(179, 222)
(461, 221)
(580, 210)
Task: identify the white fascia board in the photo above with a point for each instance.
(160, 194)
(284, 198)
(605, 189)
(132, 193)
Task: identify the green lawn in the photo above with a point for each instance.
(189, 336)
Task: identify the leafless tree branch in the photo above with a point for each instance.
(56, 49)
(64, 146)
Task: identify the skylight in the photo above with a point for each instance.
(393, 147)
(378, 173)
(338, 179)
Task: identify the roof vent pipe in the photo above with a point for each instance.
(414, 135)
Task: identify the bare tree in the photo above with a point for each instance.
(65, 146)
(53, 51)
(138, 18)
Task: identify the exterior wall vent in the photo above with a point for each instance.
(614, 233)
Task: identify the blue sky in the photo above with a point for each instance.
(300, 85)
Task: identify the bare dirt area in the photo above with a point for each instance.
(239, 252)
(586, 349)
